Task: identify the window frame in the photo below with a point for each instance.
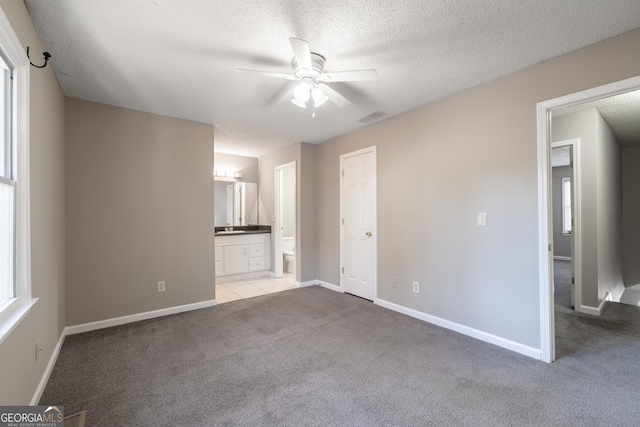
(16, 309)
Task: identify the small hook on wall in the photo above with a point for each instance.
(46, 55)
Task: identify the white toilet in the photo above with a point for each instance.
(288, 252)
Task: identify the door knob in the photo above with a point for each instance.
(369, 234)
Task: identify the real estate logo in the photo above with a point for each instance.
(31, 416)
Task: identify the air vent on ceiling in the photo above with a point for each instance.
(372, 117)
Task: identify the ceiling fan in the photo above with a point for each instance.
(309, 70)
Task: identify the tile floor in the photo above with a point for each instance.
(232, 291)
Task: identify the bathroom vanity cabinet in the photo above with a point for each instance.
(242, 256)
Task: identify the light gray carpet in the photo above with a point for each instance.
(562, 283)
(315, 357)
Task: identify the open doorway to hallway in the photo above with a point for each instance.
(602, 120)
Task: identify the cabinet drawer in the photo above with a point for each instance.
(219, 268)
(256, 264)
(219, 252)
(256, 249)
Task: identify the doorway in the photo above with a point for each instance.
(545, 236)
(567, 220)
(285, 249)
(358, 233)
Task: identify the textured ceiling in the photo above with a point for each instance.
(177, 58)
(621, 112)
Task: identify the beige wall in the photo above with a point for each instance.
(139, 210)
(440, 165)
(19, 371)
(307, 215)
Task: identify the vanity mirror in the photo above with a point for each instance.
(236, 203)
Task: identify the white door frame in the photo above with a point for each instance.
(545, 232)
(277, 232)
(374, 218)
(576, 229)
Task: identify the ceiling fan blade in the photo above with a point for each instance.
(334, 96)
(286, 97)
(268, 74)
(349, 76)
(302, 52)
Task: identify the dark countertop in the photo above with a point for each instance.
(243, 229)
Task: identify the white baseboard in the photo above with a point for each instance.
(562, 258)
(596, 311)
(307, 283)
(330, 286)
(47, 372)
(100, 324)
(465, 330)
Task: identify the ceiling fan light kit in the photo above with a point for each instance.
(309, 69)
(302, 92)
(318, 96)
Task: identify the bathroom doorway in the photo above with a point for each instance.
(285, 225)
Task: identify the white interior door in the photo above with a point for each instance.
(358, 223)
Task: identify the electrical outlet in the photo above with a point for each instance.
(416, 287)
(38, 349)
(162, 286)
(394, 282)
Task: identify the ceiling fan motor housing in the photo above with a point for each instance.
(317, 66)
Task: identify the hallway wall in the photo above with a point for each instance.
(631, 215)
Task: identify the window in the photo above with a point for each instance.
(15, 265)
(7, 190)
(566, 205)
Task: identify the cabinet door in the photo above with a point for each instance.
(256, 249)
(256, 264)
(236, 259)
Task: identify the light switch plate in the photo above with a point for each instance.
(482, 219)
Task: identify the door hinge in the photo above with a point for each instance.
(342, 221)
(342, 270)
(549, 247)
(343, 172)
(573, 280)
